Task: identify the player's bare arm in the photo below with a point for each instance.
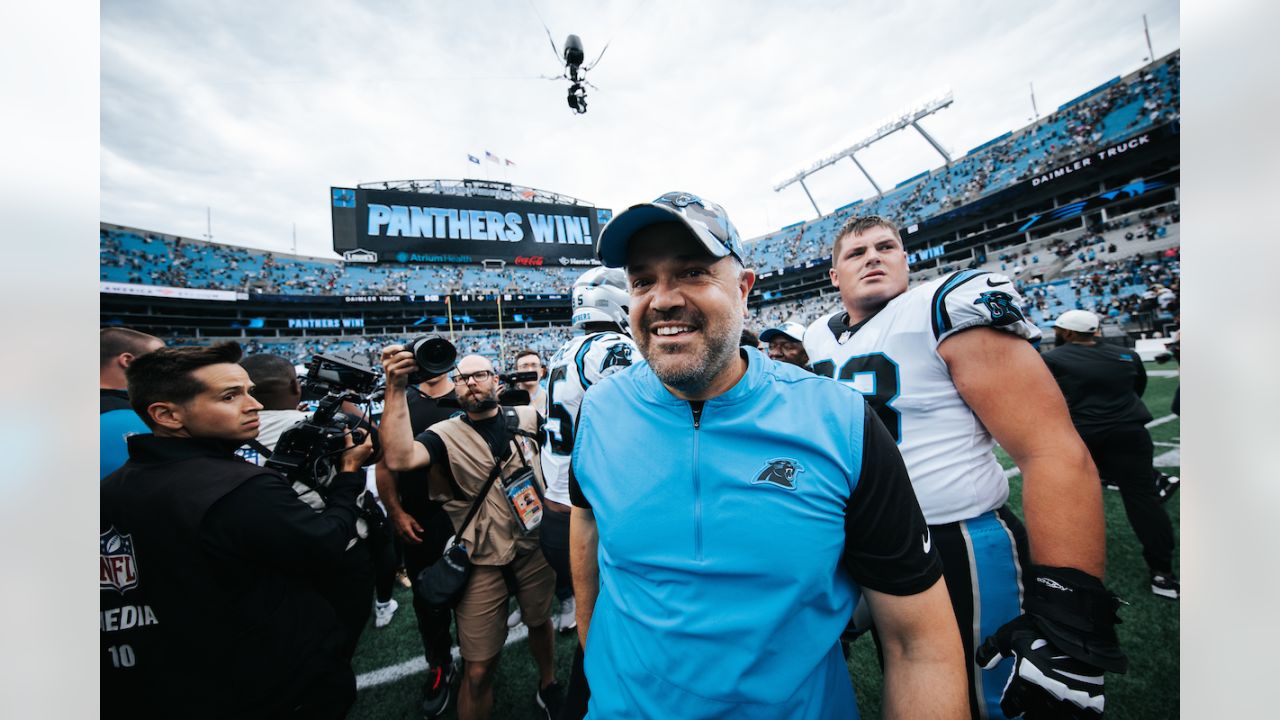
(400, 451)
(584, 566)
(406, 528)
(924, 674)
(1002, 378)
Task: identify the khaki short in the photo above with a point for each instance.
(482, 612)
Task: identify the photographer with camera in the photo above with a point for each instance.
(228, 554)
(484, 465)
(277, 387)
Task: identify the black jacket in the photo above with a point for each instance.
(1103, 385)
(227, 555)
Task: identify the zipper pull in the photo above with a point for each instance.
(696, 406)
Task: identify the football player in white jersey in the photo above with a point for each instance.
(600, 308)
(950, 368)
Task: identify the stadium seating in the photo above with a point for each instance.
(1116, 110)
(369, 348)
(144, 258)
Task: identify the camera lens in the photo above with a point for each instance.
(435, 355)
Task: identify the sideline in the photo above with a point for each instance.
(392, 673)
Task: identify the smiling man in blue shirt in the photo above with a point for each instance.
(730, 510)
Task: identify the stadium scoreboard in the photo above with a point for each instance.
(374, 225)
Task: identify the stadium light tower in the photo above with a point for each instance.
(910, 118)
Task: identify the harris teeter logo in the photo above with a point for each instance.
(780, 472)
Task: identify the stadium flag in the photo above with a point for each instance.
(509, 162)
(473, 158)
(490, 156)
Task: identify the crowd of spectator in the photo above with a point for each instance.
(145, 258)
(1141, 100)
(1140, 287)
(368, 348)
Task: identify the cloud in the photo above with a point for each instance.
(255, 109)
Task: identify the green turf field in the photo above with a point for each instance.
(1149, 632)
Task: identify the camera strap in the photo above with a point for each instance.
(475, 504)
(512, 422)
(259, 448)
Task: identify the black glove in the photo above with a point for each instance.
(1061, 646)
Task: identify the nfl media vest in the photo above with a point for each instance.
(234, 636)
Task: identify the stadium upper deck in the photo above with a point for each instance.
(1112, 111)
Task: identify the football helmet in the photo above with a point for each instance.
(600, 295)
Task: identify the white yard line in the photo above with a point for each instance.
(392, 673)
(1161, 421)
(1162, 373)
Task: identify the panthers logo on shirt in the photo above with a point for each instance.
(1003, 309)
(619, 356)
(781, 472)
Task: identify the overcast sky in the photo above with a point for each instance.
(255, 109)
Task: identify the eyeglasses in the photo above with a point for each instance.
(479, 376)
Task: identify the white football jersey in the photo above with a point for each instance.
(580, 363)
(892, 358)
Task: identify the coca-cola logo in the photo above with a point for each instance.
(531, 261)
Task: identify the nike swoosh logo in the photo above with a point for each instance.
(928, 541)
(991, 284)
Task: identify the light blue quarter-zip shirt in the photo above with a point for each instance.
(730, 536)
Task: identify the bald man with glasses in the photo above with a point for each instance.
(460, 454)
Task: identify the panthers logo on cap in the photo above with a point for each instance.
(1001, 306)
(781, 472)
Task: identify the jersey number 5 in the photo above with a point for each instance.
(883, 374)
(559, 424)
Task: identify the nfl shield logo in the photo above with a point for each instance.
(119, 567)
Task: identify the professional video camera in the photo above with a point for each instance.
(308, 451)
(513, 394)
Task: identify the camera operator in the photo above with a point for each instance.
(423, 529)
(527, 361)
(462, 453)
(348, 588)
(228, 554)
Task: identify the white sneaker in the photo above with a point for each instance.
(566, 619)
(514, 618)
(383, 612)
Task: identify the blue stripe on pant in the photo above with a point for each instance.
(980, 559)
(997, 593)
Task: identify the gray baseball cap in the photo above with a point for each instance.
(708, 222)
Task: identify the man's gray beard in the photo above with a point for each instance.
(695, 380)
